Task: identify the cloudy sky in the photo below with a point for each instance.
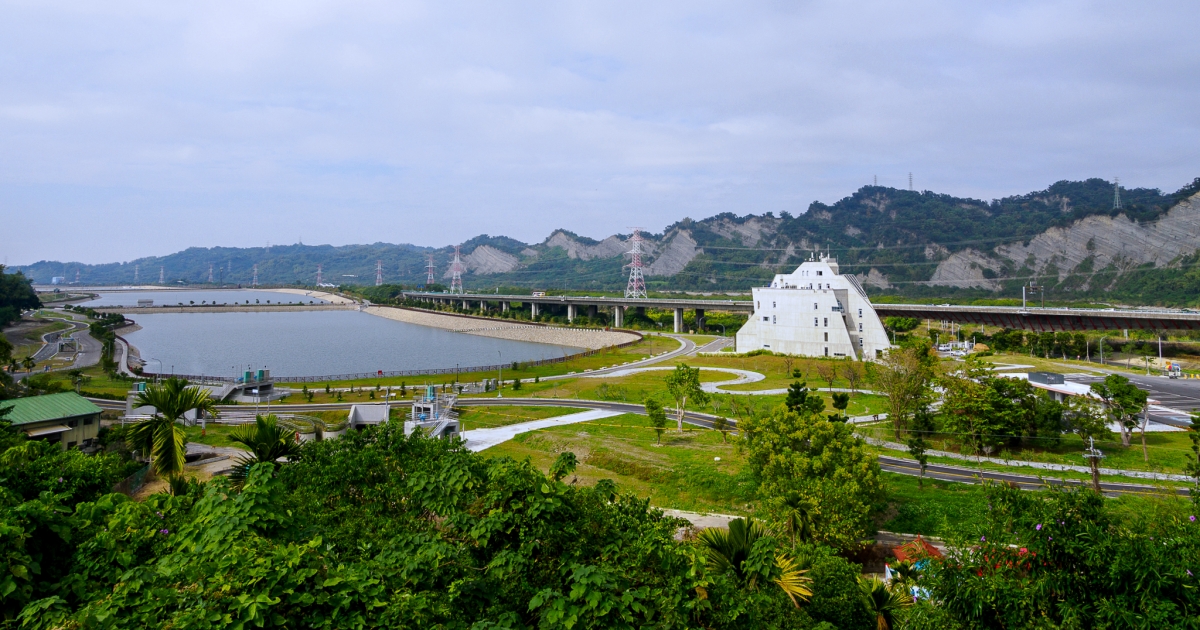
(141, 128)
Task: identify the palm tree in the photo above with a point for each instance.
(795, 518)
(881, 602)
(160, 436)
(728, 549)
(28, 363)
(267, 441)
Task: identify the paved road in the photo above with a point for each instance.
(960, 474)
(1179, 395)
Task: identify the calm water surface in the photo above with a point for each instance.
(314, 343)
(171, 298)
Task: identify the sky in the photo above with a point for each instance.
(131, 129)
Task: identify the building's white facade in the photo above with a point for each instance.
(814, 311)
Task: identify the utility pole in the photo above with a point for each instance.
(636, 288)
(429, 271)
(254, 281)
(456, 269)
(210, 275)
(319, 277)
(1116, 193)
(378, 272)
(1093, 455)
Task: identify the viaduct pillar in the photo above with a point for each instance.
(699, 319)
(533, 309)
(678, 320)
(618, 313)
(571, 312)
(504, 307)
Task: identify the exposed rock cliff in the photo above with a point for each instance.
(486, 259)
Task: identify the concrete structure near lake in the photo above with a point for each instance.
(433, 413)
(814, 311)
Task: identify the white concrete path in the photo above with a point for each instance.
(480, 439)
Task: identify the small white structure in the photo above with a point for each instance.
(817, 312)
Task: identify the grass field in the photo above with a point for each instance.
(680, 473)
(491, 417)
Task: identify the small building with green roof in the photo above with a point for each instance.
(67, 418)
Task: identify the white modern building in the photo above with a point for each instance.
(814, 311)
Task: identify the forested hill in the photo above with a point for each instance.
(1068, 237)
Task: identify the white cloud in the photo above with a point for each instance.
(432, 122)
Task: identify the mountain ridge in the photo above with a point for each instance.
(896, 240)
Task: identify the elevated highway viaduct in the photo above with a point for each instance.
(1037, 319)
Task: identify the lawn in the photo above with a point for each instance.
(680, 473)
(491, 417)
(215, 435)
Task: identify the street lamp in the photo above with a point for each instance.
(500, 381)
(160, 367)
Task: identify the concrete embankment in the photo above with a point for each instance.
(231, 308)
(591, 339)
(320, 295)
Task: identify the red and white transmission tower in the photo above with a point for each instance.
(210, 279)
(160, 274)
(429, 271)
(456, 270)
(378, 272)
(319, 280)
(254, 281)
(637, 283)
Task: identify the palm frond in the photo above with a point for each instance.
(792, 579)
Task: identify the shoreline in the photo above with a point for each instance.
(233, 308)
(587, 338)
(320, 295)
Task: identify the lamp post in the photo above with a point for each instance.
(500, 381)
(160, 367)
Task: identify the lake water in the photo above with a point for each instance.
(225, 296)
(313, 343)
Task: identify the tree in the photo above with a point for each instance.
(744, 550)
(841, 401)
(793, 514)
(267, 440)
(1123, 401)
(968, 407)
(788, 360)
(160, 437)
(1191, 468)
(853, 372)
(904, 377)
(684, 383)
(77, 378)
(922, 426)
(822, 463)
(800, 400)
(28, 363)
(657, 415)
(827, 370)
(721, 424)
(883, 603)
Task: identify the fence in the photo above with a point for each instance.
(131, 484)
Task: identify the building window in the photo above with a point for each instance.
(826, 336)
(772, 305)
(70, 444)
(860, 342)
(72, 423)
(765, 318)
(87, 422)
(860, 312)
(758, 305)
(815, 306)
(827, 351)
(820, 273)
(826, 322)
(859, 326)
(772, 319)
(815, 323)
